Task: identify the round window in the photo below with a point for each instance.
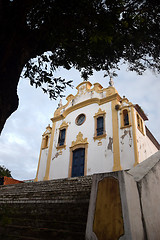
(80, 119)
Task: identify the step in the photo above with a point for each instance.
(40, 233)
(51, 224)
(62, 215)
(46, 194)
(58, 182)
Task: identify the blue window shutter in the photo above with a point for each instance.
(62, 137)
(100, 126)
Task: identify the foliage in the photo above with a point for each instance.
(85, 34)
(4, 172)
(93, 34)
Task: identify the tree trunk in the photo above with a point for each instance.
(9, 76)
(16, 47)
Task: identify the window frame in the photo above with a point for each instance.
(62, 133)
(63, 126)
(45, 141)
(140, 126)
(97, 115)
(122, 117)
(77, 118)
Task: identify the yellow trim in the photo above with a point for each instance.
(104, 100)
(36, 179)
(64, 125)
(61, 147)
(87, 88)
(98, 87)
(48, 131)
(43, 146)
(46, 177)
(100, 113)
(79, 140)
(45, 141)
(79, 143)
(134, 137)
(140, 127)
(45, 137)
(115, 127)
(122, 119)
(100, 137)
(87, 83)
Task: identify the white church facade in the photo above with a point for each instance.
(96, 131)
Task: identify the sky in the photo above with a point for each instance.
(20, 140)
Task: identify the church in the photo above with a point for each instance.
(96, 131)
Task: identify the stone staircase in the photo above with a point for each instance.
(55, 209)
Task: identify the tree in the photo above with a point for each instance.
(85, 34)
(4, 172)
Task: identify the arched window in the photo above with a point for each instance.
(125, 117)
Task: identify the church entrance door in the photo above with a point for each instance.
(78, 162)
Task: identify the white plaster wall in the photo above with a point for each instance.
(126, 144)
(100, 158)
(126, 148)
(42, 166)
(145, 146)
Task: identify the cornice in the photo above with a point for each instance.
(84, 104)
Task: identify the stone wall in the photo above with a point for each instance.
(55, 209)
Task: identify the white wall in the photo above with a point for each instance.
(100, 158)
(42, 165)
(145, 146)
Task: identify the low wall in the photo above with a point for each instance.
(125, 204)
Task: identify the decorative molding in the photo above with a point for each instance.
(48, 131)
(100, 137)
(100, 112)
(99, 143)
(129, 117)
(84, 104)
(82, 88)
(63, 125)
(79, 140)
(110, 91)
(97, 88)
(61, 147)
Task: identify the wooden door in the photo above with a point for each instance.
(78, 162)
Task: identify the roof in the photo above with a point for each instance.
(141, 112)
(8, 180)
